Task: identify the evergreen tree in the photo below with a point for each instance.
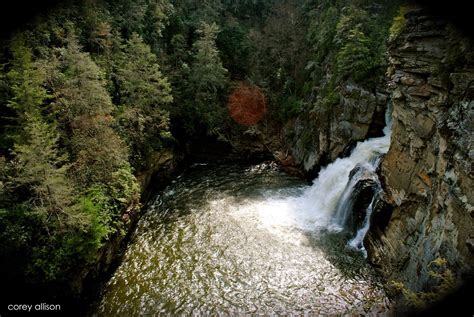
(143, 94)
(155, 20)
(42, 172)
(145, 17)
(355, 57)
(25, 81)
(208, 79)
(85, 110)
(38, 169)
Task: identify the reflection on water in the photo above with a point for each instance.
(238, 239)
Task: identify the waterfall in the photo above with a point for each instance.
(357, 241)
(346, 202)
(327, 203)
(330, 196)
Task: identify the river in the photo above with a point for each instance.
(244, 239)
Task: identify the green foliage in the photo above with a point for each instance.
(39, 170)
(281, 52)
(444, 283)
(36, 168)
(208, 81)
(348, 40)
(398, 23)
(84, 111)
(306, 139)
(143, 93)
(208, 74)
(124, 192)
(25, 81)
(65, 177)
(155, 20)
(354, 58)
(45, 220)
(146, 17)
(100, 221)
(246, 10)
(322, 30)
(291, 107)
(234, 46)
(330, 96)
(14, 233)
(113, 197)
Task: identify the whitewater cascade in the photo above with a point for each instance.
(330, 195)
(327, 203)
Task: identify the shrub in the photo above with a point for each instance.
(398, 24)
(444, 282)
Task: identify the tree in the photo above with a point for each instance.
(25, 81)
(146, 17)
(38, 169)
(143, 95)
(235, 47)
(208, 79)
(283, 64)
(155, 20)
(355, 58)
(41, 170)
(279, 58)
(40, 210)
(84, 111)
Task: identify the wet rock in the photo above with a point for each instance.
(365, 187)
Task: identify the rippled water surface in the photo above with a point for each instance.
(238, 239)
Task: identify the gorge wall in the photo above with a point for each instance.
(326, 134)
(427, 211)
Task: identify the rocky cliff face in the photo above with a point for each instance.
(428, 209)
(328, 133)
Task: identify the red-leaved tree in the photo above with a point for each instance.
(247, 105)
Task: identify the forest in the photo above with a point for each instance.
(92, 90)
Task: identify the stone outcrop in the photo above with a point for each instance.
(328, 133)
(161, 166)
(428, 207)
(365, 187)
